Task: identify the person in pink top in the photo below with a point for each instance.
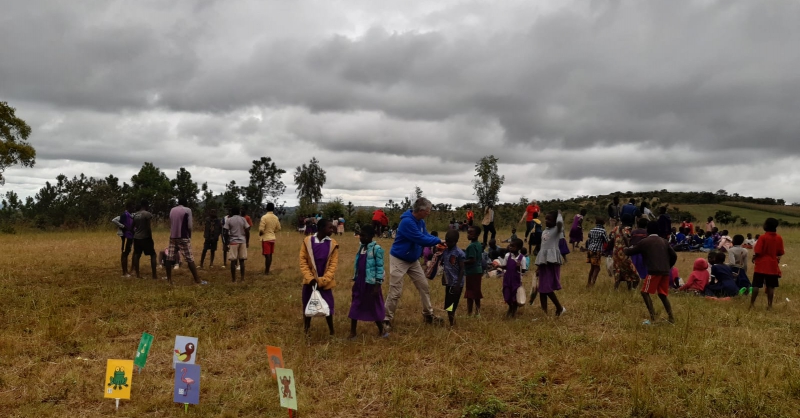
(180, 239)
(697, 281)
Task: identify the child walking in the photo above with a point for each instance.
(319, 256)
(767, 257)
(594, 245)
(367, 302)
(514, 264)
(659, 258)
(549, 260)
(576, 232)
(474, 273)
(452, 261)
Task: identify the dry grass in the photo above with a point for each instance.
(66, 310)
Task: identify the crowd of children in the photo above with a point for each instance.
(640, 255)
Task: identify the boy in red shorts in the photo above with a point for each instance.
(767, 257)
(659, 258)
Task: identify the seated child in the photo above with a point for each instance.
(737, 260)
(513, 235)
(722, 282)
(708, 243)
(675, 278)
(725, 241)
(697, 281)
(749, 243)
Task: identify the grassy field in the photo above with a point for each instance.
(754, 215)
(66, 310)
(781, 211)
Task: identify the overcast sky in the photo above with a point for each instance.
(574, 97)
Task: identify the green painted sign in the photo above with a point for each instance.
(144, 349)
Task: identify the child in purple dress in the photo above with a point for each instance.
(514, 264)
(319, 256)
(576, 232)
(549, 260)
(367, 302)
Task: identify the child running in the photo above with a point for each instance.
(576, 232)
(767, 257)
(474, 273)
(367, 302)
(452, 261)
(549, 260)
(594, 245)
(659, 258)
(514, 264)
(319, 256)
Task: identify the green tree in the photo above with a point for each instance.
(265, 185)
(350, 209)
(14, 147)
(232, 196)
(487, 181)
(184, 188)
(417, 192)
(210, 202)
(334, 209)
(309, 180)
(153, 185)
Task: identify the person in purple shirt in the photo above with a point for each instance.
(180, 239)
(126, 220)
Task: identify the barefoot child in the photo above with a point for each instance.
(549, 260)
(319, 256)
(514, 264)
(452, 261)
(367, 302)
(659, 258)
(767, 257)
(474, 273)
(594, 245)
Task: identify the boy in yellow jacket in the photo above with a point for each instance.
(319, 256)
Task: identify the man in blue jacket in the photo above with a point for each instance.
(412, 237)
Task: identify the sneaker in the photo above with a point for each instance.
(203, 282)
(742, 291)
(646, 322)
(385, 335)
(563, 309)
(433, 320)
(387, 326)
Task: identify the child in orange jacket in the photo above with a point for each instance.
(319, 256)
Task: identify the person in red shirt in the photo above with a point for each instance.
(379, 221)
(767, 257)
(532, 208)
(687, 223)
(470, 216)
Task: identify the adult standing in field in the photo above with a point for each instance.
(613, 212)
(180, 239)
(630, 209)
(126, 227)
(488, 223)
(412, 237)
(143, 239)
(236, 230)
(211, 232)
(528, 216)
(379, 219)
(267, 227)
(470, 216)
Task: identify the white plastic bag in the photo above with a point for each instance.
(535, 284)
(521, 295)
(316, 305)
(610, 266)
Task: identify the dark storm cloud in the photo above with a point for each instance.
(411, 91)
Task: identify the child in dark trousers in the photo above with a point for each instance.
(452, 261)
(659, 258)
(767, 258)
(368, 302)
(474, 273)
